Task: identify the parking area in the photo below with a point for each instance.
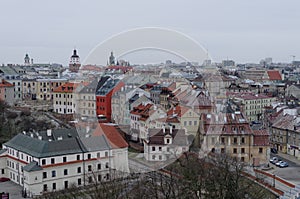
(13, 189)
(290, 173)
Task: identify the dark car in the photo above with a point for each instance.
(273, 150)
(4, 179)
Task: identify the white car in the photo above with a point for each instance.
(279, 162)
(273, 160)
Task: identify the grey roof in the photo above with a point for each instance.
(95, 143)
(2, 151)
(91, 88)
(45, 148)
(32, 166)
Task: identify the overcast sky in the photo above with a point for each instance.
(245, 31)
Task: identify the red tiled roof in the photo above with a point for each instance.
(142, 110)
(178, 110)
(112, 134)
(4, 83)
(274, 75)
(68, 87)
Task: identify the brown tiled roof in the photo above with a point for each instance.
(178, 110)
(5, 83)
(68, 87)
(112, 133)
(274, 75)
(142, 110)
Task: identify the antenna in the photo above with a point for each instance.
(293, 57)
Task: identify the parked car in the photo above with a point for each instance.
(273, 150)
(4, 179)
(279, 162)
(283, 164)
(273, 160)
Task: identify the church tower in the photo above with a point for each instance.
(26, 60)
(74, 64)
(111, 59)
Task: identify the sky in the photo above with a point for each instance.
(245, 31)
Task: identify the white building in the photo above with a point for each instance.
(54, 160)
(164, 144)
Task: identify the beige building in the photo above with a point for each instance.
(253, 105)
(231, 134)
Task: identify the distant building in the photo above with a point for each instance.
(6, 92)
(226, 63)
(74, 64)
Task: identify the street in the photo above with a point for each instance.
(290, 173)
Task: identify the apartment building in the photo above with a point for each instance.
(253, 105)
(230, 133)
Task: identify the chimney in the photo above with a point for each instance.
(49, 132)
(164, 128)
(171, 129)
(40, 137)
(87, 129)
(31, 135)
(59, 138)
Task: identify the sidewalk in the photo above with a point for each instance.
(289, 157)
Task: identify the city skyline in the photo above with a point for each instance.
(242, 31)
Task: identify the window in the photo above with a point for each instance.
(242, 150)
(107, 176)
(2, 171)
(243, 140)
(90, 168)
(78, 157)
(235, 140)
(153, 148)
(66, 172)
(43, 161)
(53, 173)
(260, 150)
(106, 165)
(153, 157)
(66, 184)
(160, 157)
(44, 174)
(54, 186)
(223, 140)
(45, 187)
(242, 159)
(98, 155)
(52, 161)
(90, 179)
(99, 166)
(99, 177)
(222, 150)
(89, 156)
(106, 154)
(79, 181)
(234, 150)
(65, 159)
(160, 148)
